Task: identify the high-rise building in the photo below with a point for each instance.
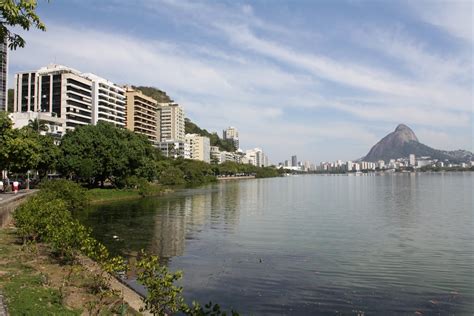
(232, 134)
(142, 115)
(199, 147)
(256, 157)
(412, 160)
(171, 122)
(68, 97)
(294, 161)
(3, 75)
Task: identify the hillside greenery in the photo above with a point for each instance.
(215, 140)
(154, 93)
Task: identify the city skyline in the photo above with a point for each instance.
(234, 64)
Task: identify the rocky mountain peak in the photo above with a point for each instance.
(402, 142)
(404, 134)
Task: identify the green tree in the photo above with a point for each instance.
(94, 154)
(172, 176)
(22, 152)
(18, 13)
(38, 125)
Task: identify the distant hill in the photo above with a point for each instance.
(402, 142)
(155, 93)
(215, 140)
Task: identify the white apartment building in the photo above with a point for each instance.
(72, 97)
(171, 123)
(199, 147)
(256, 157)
(231, 133)
(222, 156)
(174, 149)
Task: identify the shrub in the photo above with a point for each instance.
(34, 216)
(163, 297)
(73, 194)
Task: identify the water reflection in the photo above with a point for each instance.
(311, 244)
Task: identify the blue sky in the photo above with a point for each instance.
(321, 79)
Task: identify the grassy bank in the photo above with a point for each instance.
(109, 195)
(36, 284)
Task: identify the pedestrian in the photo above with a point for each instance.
(2, 188)
(15, 186)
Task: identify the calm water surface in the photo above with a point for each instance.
(305, 245)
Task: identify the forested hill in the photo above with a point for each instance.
(215, 140)
(155, 93)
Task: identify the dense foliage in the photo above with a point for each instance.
(215, 140)
(230, 168)
(24, 149)
(94, 154)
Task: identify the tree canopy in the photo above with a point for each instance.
(96, 153)
(18, 13)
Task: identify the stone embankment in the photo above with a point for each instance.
(9, 202)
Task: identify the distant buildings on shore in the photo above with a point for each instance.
(64, 98)
(407, 163)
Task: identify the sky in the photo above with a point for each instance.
(321, 79)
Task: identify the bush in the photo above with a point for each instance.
(73, 194)
(172, 176)
(38, 215)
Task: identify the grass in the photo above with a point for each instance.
(106, 195)
(34, 283)
(28, 294)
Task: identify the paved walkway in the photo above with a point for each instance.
(10, 196)
(3, 307)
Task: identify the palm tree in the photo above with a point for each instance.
(38, 125)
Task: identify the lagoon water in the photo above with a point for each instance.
(315, 244)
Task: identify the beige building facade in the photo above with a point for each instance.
(199, 147)
(142, 116)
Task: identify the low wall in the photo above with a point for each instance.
(9, 203)
(235, 178)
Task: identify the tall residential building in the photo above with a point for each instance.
(171, 122)
(412, 160)
(142, 115)
(64, 93)
(294, 161)
(3, 75)
(232, 134)
(199, 147)
(256, 157)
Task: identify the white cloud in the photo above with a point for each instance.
(455, 17)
